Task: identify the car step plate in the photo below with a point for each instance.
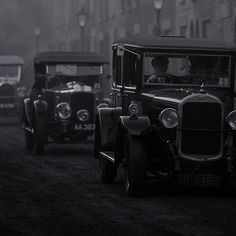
(199, 180)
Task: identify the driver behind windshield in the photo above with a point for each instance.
(160, 66)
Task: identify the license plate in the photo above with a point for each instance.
(85, 127)
(199, 180)
(7, 105)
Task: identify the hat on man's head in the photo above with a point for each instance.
(160, 60)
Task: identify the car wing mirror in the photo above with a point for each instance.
(120, 50)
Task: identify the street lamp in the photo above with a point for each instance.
(37, 33)
(158, 7)
(81, 20)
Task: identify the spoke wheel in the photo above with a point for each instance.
(134, 166)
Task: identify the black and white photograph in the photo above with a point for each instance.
(117, 117)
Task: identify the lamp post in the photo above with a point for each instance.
(37, 33)
(158, 7)
(81, 20)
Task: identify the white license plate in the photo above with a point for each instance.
(199, 180)
(7, 105)
(85, 127)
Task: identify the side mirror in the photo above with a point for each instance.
(120, 50)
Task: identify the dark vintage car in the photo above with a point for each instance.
(181, 129)
(63, 100)
(12, 92)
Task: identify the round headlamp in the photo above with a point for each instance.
(133, 109)
(64, 110)
(83, 115)
(169, 118)
(231, 118)
(21, 92)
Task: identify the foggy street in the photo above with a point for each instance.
(61, 194)
(118, 117)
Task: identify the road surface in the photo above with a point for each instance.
(61, 194)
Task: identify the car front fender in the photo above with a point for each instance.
(40, 106)
(135, 125)
(107, 118)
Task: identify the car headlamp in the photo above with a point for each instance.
(64, 110)
(83, 115)
(21, 92)
(133, 108)
(169, 118)
(231, 119)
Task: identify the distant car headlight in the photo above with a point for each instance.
(231, 119)
(21, 92)
(63, 110)
(169, 118)
(83, 115)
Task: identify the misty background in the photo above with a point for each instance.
(30, 26)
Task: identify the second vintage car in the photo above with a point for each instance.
(173, 116)
(63, 100)
(12, 92)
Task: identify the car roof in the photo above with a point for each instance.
(175, 42)
(70, 57)
(11, 60)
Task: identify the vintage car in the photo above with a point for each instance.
(181, 129)
(12, 91)
(63, 100)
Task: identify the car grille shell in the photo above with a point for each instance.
(200, 135)
(83, 100)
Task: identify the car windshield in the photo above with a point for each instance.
(73, 76)
(9, 71)
(187, 69)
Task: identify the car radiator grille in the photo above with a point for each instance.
(201, 128)
(7, 93)
(83, 101)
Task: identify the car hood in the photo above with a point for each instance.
(173, 96)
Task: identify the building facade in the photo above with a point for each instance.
(212, 19)
(107, 20)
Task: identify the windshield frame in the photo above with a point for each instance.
(100, 68)
(17, 70)
(186, 54)
(94, 78)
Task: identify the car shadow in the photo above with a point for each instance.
(154, 188)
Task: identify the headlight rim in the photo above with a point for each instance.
(161, 119)
(59, 113)
(228, 121)
(80, 111)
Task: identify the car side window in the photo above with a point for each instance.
(116, 67)
(129, 69)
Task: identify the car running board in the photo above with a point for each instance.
(28, 129)
(110, 156)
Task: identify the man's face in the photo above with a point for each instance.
(160, 68)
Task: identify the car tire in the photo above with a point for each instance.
(97, 140)
(134, 165)
(108, 171)
(29, 140)
(40, 133)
